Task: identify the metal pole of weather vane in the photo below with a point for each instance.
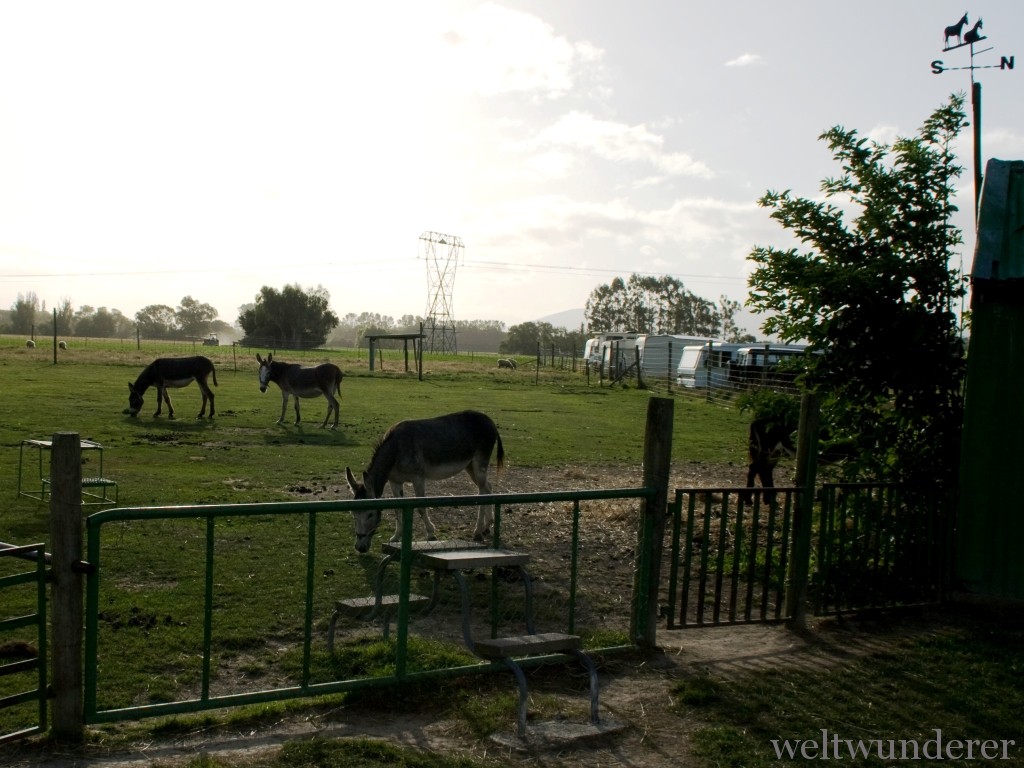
(963, 34)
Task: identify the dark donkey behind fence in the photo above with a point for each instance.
(171, 373)
(418, 450)
(295, 380)
(771, 439)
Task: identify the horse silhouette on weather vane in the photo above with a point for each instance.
(954, 37)
(973, 35)
(970, 37)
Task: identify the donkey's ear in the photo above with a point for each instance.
(259, 359)
(352, 484)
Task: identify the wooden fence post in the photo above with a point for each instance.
(803, 511)
(66, 609)
(419, 357)
(657, 462)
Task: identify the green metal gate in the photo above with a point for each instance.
(310, 679)
(872, 545)
(729, 557)
(880, 545)
(22, 710)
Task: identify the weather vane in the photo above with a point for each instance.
(963, 39)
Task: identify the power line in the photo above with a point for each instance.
(376, 266)
(505, 266)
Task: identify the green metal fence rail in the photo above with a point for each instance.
(312, 511)
(36, 620)
(730, 557)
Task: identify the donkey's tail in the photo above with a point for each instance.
(501, 455)
(214, 372)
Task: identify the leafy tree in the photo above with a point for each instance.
(731, 332)
(478, 335)
(194, 318)
(875, 295)
(101, 323)
(23, 313)
(651, 305)
(156, 321)
(523, 339)
(291, 318)
(65, 319)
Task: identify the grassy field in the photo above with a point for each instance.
(962, 676)
(152, 573)
(243, 455)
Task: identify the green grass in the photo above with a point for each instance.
(243, 455)
(325, 753)
(966, 679)
(151, 587)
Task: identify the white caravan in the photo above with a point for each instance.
(660, 354)
(704, 364)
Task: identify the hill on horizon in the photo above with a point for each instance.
(570, 319)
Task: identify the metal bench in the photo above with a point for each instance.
(508, 649)
(100, 497)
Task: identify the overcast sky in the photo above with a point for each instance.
(150, 151)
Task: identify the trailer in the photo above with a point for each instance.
(660, 353)
(720, 365)
(611, 352)
(707, 364)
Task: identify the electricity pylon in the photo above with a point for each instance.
(441, 253)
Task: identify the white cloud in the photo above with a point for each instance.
(494, 50)
(746, 60)
(619, 143)
(1003, 143)
(884, 134)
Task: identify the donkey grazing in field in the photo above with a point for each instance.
(295, 380)
(418, 450)
(171, 373)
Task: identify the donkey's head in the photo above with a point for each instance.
(134, 401)
(367, 521)
(264, 370)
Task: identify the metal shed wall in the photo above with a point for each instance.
(990, 536)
